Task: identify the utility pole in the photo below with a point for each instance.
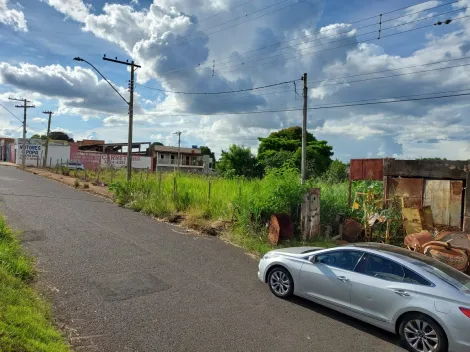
(179, 148)
(304, 133)
(131, 111)
(25, 106)
(44, 164)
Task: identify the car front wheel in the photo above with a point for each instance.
(280, 282)
(420, 333)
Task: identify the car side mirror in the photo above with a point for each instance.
(311, 259)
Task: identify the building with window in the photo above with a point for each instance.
(190, 160)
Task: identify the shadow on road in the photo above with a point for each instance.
(360, 325)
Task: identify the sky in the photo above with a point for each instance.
(213, 46)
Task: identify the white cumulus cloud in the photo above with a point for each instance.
(12, 17)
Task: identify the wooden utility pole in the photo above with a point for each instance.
(25, 106)
(44, 164)
(304, 133)
(179, 148)
(131, 111)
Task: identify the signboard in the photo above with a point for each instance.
(94, 160)
(33, 154)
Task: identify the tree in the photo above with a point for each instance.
(37, 136)
(60, 136)
(290, 140)
(156, 143)
(337, 172)
(207, 151)
(238, 161)
(276, 159)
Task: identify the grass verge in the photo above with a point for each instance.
(25, 321)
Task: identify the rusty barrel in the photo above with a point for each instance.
(456, 258)
(416, 241)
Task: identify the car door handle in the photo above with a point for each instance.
(402, 293)
(342, 278)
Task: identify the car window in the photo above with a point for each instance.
(384, 268)
(346, 260)
(412, 278)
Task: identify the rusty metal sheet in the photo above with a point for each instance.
(412, 220)
(455, 206)
(366, 169)
(445, 199)
(410, 189)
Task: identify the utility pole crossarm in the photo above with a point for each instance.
(122, 62)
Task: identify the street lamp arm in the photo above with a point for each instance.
(80, 59)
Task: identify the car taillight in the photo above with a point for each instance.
(465, 311)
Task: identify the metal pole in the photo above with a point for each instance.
(304, 133)
(47, 136)
(131, 119)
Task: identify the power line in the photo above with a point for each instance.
(248, 20)
(222, 92)
(334, 41)
(362, 27)
(212, 16)
(358, 75)
(318, 32)
(343, 104)
(341, 46)
(16, 117)
(235, 19)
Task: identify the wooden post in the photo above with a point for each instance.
(310, 214)
(175, 188)
(209, 193)
(349, 193)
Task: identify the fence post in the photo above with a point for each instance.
(175, 188)
(50, 162)
(98, 176)
(209, 193)
(60, 161)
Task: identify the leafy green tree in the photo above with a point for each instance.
(290, 140)
(337, 172)
(60, 136)
(156, 143)
(37, 136)
(55, 136)
(207, 151)
(238, 161)
(277, 159)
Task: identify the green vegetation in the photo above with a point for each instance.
(25, 324)
(246, 203)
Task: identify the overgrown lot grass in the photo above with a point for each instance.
(247, 204)
(25, 324)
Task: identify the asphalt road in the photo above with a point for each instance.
(122, 281)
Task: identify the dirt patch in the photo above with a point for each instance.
(72, 182)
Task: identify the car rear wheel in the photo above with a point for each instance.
(280, 282)
(420, 333)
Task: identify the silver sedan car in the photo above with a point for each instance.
(424, 301)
